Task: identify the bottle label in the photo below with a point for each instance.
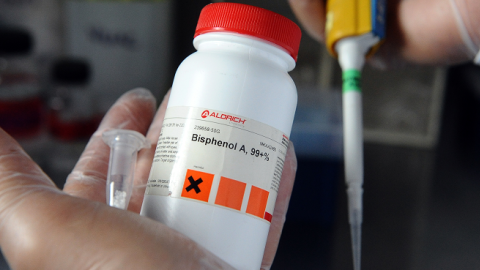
(220, 159)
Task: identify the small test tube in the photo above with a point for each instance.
(124, 146)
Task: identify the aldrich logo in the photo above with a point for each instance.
(205, 114)
(231, 118)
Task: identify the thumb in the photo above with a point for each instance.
(21, 180)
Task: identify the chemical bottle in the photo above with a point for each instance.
(220, 154)
(72, 108)
(72, 115)
(21, 102)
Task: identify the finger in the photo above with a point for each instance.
(421, 32)
(145, 158)
(134, 110)
(19, 175)
(430, 33)
(311, 14)
(20, 178)
(281, 207)
(17, 170)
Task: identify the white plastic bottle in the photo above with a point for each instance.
(220, 154)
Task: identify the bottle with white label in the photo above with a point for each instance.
(220, 155)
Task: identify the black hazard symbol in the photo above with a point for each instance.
(194, 184)
(200, 182)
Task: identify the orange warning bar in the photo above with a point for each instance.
(230, 193)
(257, 202)
(197, 185)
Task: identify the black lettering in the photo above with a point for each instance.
(243, 149)
(206, 141)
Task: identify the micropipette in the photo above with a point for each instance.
(124, 145)
(354, 29)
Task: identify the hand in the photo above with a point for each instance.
(418, 31)
(42, 227)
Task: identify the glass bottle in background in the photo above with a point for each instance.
(128, 44)
(72, 115)
(42, 18)
(21, 104)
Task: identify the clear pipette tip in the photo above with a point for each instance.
(356, 234)
(124, 145)
(355, 193)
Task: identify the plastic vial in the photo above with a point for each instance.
(220, 154)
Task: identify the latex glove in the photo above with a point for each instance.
(418, 31)
(42, 227)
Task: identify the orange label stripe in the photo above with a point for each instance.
(198, 185)
(257, 202)
(230, 193)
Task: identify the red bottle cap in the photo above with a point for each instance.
(252, 21)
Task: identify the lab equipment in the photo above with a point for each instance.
(21, 101)
(71, 115)
(124, 145)
(220, 155)
(354, 30)
(72, 111)
(20, 92)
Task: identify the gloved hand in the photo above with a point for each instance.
(418, 31)
(42, 227)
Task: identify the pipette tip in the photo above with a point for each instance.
(356, 234)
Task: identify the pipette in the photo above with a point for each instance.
(124, 145)
(351, 53)
(354, 29)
